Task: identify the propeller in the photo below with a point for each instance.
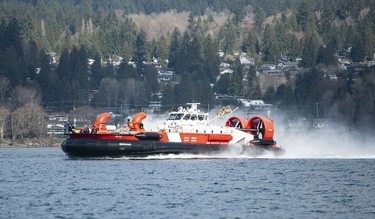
(259, 129)
(237, 124)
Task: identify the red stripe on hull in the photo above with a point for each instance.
(186, 138)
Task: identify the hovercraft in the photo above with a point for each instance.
(184, 131)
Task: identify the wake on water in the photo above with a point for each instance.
(233, 152)
(340, 146)
(291, 153)
(300, 145)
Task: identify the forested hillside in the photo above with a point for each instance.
(66, 54)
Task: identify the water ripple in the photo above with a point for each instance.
(44, 183)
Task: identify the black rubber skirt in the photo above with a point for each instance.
(118, 148)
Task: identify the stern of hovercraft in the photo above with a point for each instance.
(262, 130)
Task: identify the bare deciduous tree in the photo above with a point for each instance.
(364, 94)
(157, 25)
(28, 120)
(4, 86)
(132, 91)
(109, 88)
(84, 114)
(26, 95)
(4, 114)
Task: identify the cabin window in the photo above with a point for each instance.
(193, 117)
(187, 117)
(175, 116)
(201, 117)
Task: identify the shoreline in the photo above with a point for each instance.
(29, 146)
(31, 143)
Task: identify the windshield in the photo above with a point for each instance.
(175, 116)
(201, 117)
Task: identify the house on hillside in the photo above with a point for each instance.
(224, 65)
(52, 57)
(254, 104)
(270, 69)
(273, 72)
(165, 75)
(265, 67)
(287, 65)
(257, 107)
(226, 71)
(245, 60)
(90, 61)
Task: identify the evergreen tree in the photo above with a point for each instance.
(12, 59)
(162, 50)
(153, 48)
(47, 80)
(183, 57)
(307, 91)
(303, 15)
(150, 75)
(126, 71)
(109, 71)
(211, 60)
(252, 81)
(174, 48)
(257, 93)
(271, 48)
(141, 49)
(10, 66)
(192, 24)
(294, 47)
(222, 85)
(185, 90)
(79, 67)
(204, 93)
(63, 70)
(168, 96)
(368, 35)
(32, 58)
(236, 87)
(259, 18)
(326, 19)
(248, 45)
(328, 55)
(284, 96)
(269, 95)
(315, 31)
(194, 52)
(358, 51)
(227, 36)
(293, 21)
(96, 73)
(10, 35)
(281, 39)
(310, 50)
(238, 17)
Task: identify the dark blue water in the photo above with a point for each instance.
(44, 183)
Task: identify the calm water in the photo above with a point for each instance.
(44, 183)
